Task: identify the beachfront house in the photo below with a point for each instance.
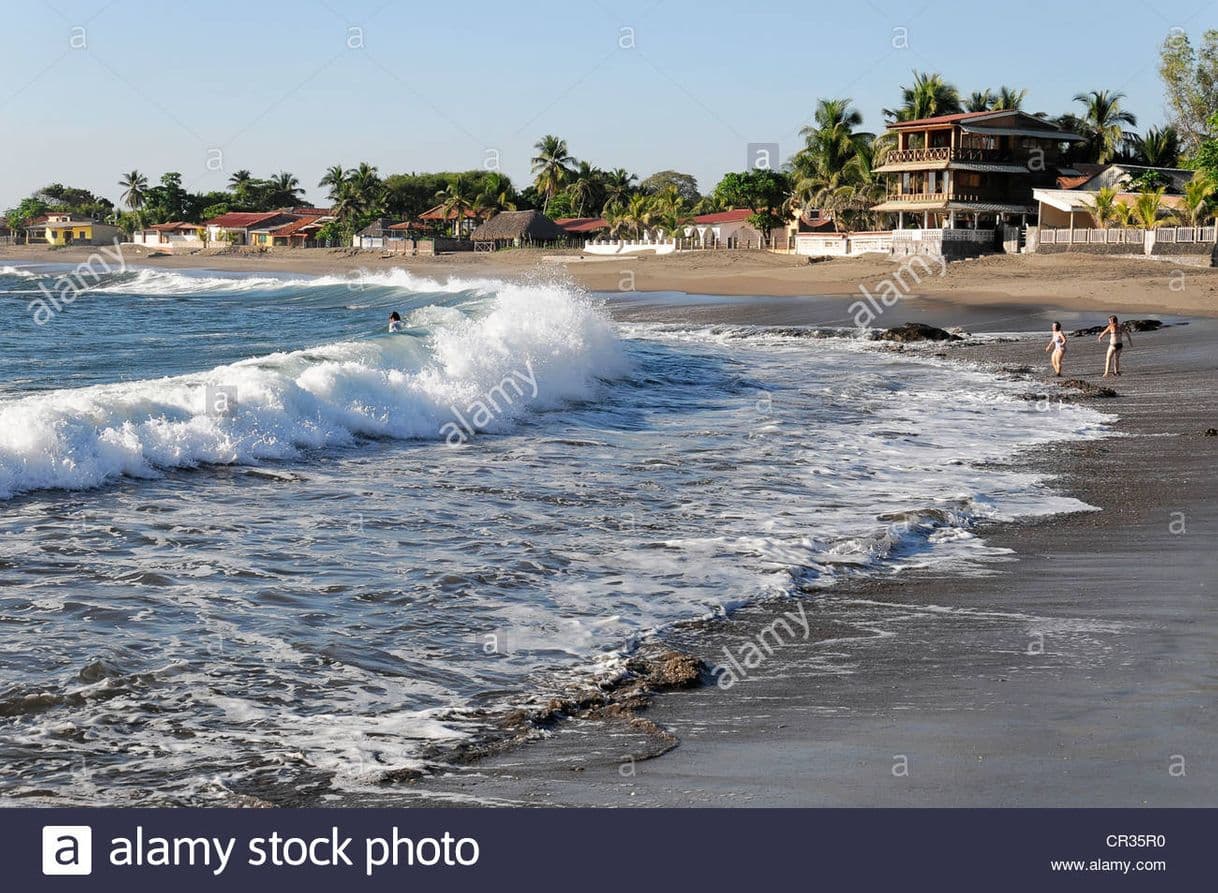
(375, 235)
(730, 229)
(973, 169)
(516, 229)
(300, 233)
(240, 227)
(69, 229)
(439, 217)
(173, 235)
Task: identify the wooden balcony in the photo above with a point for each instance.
(933, 197)
(941, 153)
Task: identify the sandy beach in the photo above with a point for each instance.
(1076, 281)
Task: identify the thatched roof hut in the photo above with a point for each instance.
(519, 228)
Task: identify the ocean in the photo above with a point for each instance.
(253, 544)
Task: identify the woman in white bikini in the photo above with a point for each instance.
(1057, 344)
(1116, 333)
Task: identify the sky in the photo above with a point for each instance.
(93, 88)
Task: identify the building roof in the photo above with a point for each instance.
(405, 225)
(376, 228)
(172, 227)
(243, 219)
(725, 216)
(297, 225)
(582, 224)
(949, 119)
(509, 225)
(438, 213)
(946, 205)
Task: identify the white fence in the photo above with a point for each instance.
(842, 244)
(1175, 235)
(630, 246)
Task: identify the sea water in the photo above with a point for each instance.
(242, 554)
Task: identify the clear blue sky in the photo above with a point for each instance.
(275, 86)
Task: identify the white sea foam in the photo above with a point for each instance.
(396, 387)
(167, 283)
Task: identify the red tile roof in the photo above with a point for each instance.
(725, 216)
(242, 219)
(295, 226)
(173, 227)
(1072, 182)
(582, 224)
(405, 225)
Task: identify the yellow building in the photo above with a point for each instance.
(65, 229)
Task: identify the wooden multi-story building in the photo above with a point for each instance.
(973, 169)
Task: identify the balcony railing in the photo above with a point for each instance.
(933, 197)
(941, 153)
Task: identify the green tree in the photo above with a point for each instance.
(1146, 208)
(928, 97)
(1103, 211)
(686, 184)
(457, 200)
(1103, 123)
(1205, 159)
(1158, 147)
(764, 192)
(335, 179)
(979, 101)
(1190, 78)
(618, 185)
(1198, 200)
(551, 166)
(1009, 99)
(586, 188)
(134, 184)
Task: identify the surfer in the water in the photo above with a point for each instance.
(395, 322)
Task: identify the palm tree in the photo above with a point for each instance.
(929, 96)
(134, 185)
(614, 214)
(1158, 147)
(1198, 200)
(618, 185)
(979, 101)
(836, 157)
(336, 178)
(1009, 99)
(1103, 121)
(498, 193)
(552, 166)
(585, 183)
(637, 215)
(1104, 209)
(1146, 208)
(457, 199)
(284, 190)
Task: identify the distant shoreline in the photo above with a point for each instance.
(1069, 281)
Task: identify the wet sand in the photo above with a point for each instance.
(1080, 671)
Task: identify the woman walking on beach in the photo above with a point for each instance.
(1116, 333)
(1057, 344)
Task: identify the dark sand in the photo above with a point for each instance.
(1083, 671)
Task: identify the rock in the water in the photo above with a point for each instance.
(1136, 325)
(1087, 389)
(917, 331)
(1211, 432)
